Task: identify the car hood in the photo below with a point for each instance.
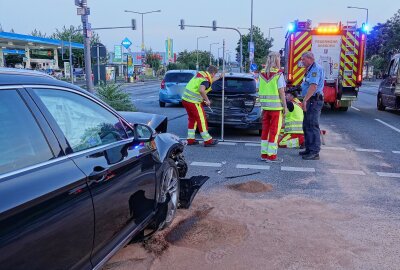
(158, 122)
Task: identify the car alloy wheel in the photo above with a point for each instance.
(170, 191)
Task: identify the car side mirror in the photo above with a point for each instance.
(143, 133)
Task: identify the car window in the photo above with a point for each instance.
(22, 143)
(394, 67)
(85, 123)
(181, 77)
(236, 85)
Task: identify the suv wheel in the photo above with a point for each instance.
(379, 103)
(162, 104)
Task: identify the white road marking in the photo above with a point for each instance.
(297, 169)
(352, 172)
(390, 126)
(368, 150)
(252, 144)
(354, 108)
(206, 164)
(383, 174)
(333, 148)
(396, 152)
(227, 143)
(249, 166)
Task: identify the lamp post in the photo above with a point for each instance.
(215, 43)
(197, 51)
(366, 9)
(251, 33)
(143, 13)
(269, 30)
(218, 57)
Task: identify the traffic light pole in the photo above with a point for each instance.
(226, 28)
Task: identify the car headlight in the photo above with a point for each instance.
(257, 103)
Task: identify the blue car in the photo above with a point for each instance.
(173, 85)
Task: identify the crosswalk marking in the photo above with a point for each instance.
(384, 174)
(368, 150)
(297, 169)
(390, 126)
(227, 143)
(249, 166)
(206, 164)
(333, 148)
(396, 152)
(352, 172)
(252, 144)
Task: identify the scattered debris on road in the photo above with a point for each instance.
(253, 186)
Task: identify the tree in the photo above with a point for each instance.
(38, 33)
(76, 36)
(153, 60)
(383, 41)
(189, 59)
(261, 47)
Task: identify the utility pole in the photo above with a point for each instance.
(251, 35)
(84, 11)
(210, 49)
(197, 52)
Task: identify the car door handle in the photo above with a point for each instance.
(98, 174)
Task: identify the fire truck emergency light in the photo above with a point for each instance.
(291, 27)
(327, 29)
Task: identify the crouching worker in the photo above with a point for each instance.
(293, 135)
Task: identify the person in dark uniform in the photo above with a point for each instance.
(312, 91)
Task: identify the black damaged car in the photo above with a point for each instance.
(242, 106)
(78, 180)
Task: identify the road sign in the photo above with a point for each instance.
(126, 43)
(251, 51)
(253, 67)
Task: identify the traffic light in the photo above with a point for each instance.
(133, 24)
(214, 25)
(182, 24)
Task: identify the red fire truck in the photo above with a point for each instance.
(338, 48)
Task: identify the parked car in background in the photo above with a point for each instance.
(389, 88)
(173, 85)
(242, 106)
(77, 179)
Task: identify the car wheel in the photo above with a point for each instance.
(162, 104)
(379, 104)
(170, 191)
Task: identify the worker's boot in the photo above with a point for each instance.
(192, 142)
(210, 143)
(304, 153)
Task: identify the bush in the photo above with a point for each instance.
(113, 95)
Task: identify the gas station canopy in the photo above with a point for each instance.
(14, 41)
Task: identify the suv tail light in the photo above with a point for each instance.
(163, 84)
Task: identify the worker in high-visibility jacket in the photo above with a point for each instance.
(293, 135)
(273, 102)
(193, 98)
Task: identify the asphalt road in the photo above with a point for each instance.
(359, 170)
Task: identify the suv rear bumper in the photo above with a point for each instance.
(250, 120)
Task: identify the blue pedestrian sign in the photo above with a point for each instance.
(126, 43)
(253, 67)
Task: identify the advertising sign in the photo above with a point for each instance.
(130, 66)
(117, 53)
(67, 70)
(169, 49)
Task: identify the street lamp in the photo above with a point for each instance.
(143, 13)
(269, 30)
(363, 9)
(215, 43)
(218, 57)
(197, 51)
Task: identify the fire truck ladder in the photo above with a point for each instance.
(350, 45)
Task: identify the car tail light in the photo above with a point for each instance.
(163, 84)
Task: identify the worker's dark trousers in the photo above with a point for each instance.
(312, 137)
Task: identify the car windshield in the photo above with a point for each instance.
(236, 85)
(181, 77)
